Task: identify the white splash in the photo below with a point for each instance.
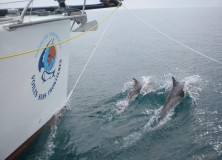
(148, 111)
(167, 84)
(148, 85)
(49, 146)
(121, 106)
(153, 119)
(193, 85)
(154, 123)
(128, 86)
(131, 139)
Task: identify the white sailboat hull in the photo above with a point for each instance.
(33, 86)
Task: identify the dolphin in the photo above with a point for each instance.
(136, 89)
(174, 98)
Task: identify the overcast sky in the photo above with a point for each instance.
(128, 3)
(172, 3)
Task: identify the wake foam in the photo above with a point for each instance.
(193, 85)
(121, 106)
(49, 145)
(131, 139)
(155, 122)
(148, 86)
(192, 88)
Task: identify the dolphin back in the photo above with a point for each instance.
(136, 82)
(175, 97)
(137, 85)
(136, 89)
(175, 82)
(178, 88)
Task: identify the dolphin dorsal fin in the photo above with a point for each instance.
(135, 81)
(175, 82)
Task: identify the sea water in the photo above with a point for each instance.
(101, 123)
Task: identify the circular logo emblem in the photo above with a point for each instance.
(48, 67)
(47, 61)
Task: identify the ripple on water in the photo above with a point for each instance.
(209, 131)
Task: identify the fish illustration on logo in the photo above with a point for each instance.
(48, 67)
(47, 61)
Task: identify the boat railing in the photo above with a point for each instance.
(68, 12)
(77, 18)
(24, 11)
(74, 15)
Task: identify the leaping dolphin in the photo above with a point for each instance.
(174, 98)
(136, 89)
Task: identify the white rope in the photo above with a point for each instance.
(100, 39)
(169, 37)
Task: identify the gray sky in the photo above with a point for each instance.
(128, 3)
(172, 3)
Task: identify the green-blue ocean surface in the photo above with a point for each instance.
(101, 123)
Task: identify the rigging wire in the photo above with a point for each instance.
(169, 37)
(172, 39)
(90, 57)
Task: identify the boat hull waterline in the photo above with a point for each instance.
(33, 86)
